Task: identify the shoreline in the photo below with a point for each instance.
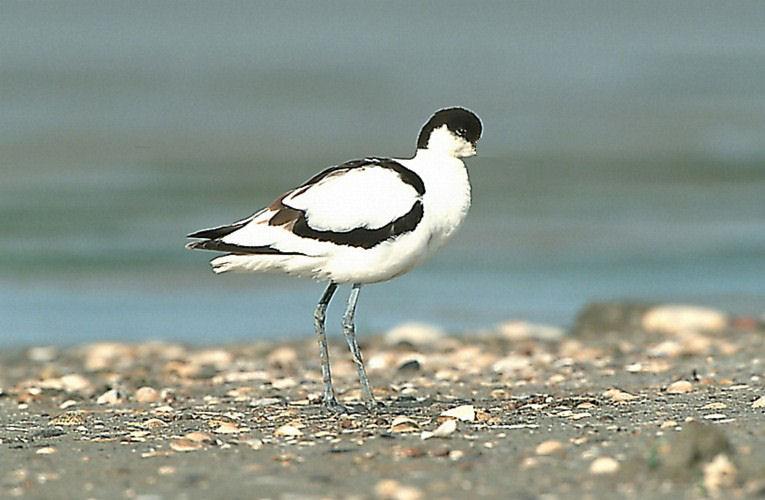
(622, 405)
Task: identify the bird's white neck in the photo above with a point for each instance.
(444, 142)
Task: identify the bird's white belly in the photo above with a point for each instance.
(380, 263)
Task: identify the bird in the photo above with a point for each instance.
(360, 222)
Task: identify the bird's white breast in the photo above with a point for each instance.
(447, 194)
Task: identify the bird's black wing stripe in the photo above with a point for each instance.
(220, 231)
(363, 237)
(219, 246)
(406, 175)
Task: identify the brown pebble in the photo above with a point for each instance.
(410, 452)
(440, 451)
(199, 437)
(255, 444)
(679, 387)
(147, 395)
(604, 465)
(185, 445)
(154, 423)
(404, 424)
(550, 447)
(69, 418)
(227, 428)
(288, 431)
(619, 396)
(389, 489)
(500, 394)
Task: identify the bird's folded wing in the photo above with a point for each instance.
(369, 196)
(361, 203)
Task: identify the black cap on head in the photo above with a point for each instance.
(460, 121)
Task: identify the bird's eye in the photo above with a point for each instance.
(462, 132)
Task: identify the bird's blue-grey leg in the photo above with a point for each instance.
(330, 401)
(349, 329)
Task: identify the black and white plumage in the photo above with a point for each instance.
(360, 222)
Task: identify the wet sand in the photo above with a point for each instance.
(619, 406)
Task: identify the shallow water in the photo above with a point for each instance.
(623, 158)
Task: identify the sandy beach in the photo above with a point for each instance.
(635, 400)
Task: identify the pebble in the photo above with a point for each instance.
(465, 413)
(404, 424)
(550, 447)
(110, 397)
(720, 473)
(417, 334)
(199, 437)
(715, 416)
(679, 387)
(69, 418)
(48, 450)
(714, 406)
(409, 366)
(619, 396)
(146, 394)
(579, 416)
(154, 423)
(500, 394)
(166, 470)
(409, 452)
(444, 430)
(227, 428)
(675, 319)
(288, 431)
(254, 443)
(390, 489)
(759, 403)
(183, 445)
(604, 465)
(161, 410)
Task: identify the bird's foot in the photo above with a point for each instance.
(373, 406)
(331, 404)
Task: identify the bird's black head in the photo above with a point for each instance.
(453, 130)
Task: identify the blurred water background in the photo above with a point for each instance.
(623, 156)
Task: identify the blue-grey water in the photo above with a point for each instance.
(623, 156)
